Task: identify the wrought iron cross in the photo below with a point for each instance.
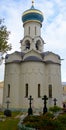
(30, 111)
(45, 101)
(55, 100)
(30, 99)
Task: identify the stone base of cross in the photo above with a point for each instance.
(30, 111)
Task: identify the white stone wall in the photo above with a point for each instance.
(53, 77)
(33, 73)
(1, 96)
(12, 77)
(32, 26)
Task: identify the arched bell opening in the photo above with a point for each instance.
(27, 43)
(38, 43)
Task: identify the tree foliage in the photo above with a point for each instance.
(4, 35)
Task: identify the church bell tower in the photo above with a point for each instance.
(32, 23)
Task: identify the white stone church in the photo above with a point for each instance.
(32, 71)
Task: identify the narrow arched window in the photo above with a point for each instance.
(50, 91)
(26, 90)
(29, 30)
(8, 90)
(35, 30)
(38, 90)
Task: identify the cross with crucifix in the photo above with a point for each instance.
(30, 112)
(55, 100)
(45, 102)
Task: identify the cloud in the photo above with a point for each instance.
(12, 14)
(55, 34)
(55, 26)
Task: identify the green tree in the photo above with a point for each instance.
(4, 35)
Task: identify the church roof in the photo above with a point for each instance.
(47, 53)
(51, 62)
(32, 58)
(16, 52)
(32, 14)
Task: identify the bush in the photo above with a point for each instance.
(38, 121)
(62, 119)
(32, 119)
(48, 115)
(55, 109)
(46, 122)
(56, 124)
(7, 113)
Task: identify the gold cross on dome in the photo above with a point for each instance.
(32, 2)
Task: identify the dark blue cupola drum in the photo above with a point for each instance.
(32, 15)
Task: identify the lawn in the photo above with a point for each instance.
(10, 123)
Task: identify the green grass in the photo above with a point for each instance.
(10, 123)
(1, 113)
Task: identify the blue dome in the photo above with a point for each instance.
(32, 15)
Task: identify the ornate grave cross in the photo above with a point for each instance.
(55, 100)
(45, 102)
(30, 99)
(30, 112)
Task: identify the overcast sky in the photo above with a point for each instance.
(53, 27)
